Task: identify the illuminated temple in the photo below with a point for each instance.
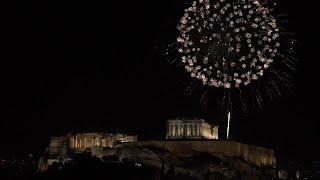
(81, 141)
(62, 148)
(191, 129)
(87, 140)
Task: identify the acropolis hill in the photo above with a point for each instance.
(185, 139)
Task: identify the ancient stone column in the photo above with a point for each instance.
(76, 141)
(173, 130)
(188, 129)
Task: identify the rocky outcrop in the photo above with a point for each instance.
(255, 155)
(200, 165)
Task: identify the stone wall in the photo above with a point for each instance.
(54, 147)
(255, 155)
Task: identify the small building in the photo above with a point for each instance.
(191, 129)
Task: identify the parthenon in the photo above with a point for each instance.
(191, 129)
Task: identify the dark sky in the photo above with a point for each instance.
(97, 67)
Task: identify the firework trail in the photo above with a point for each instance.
(228, 127)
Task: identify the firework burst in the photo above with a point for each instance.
(236, 44)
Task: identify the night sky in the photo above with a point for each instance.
(80, 67)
